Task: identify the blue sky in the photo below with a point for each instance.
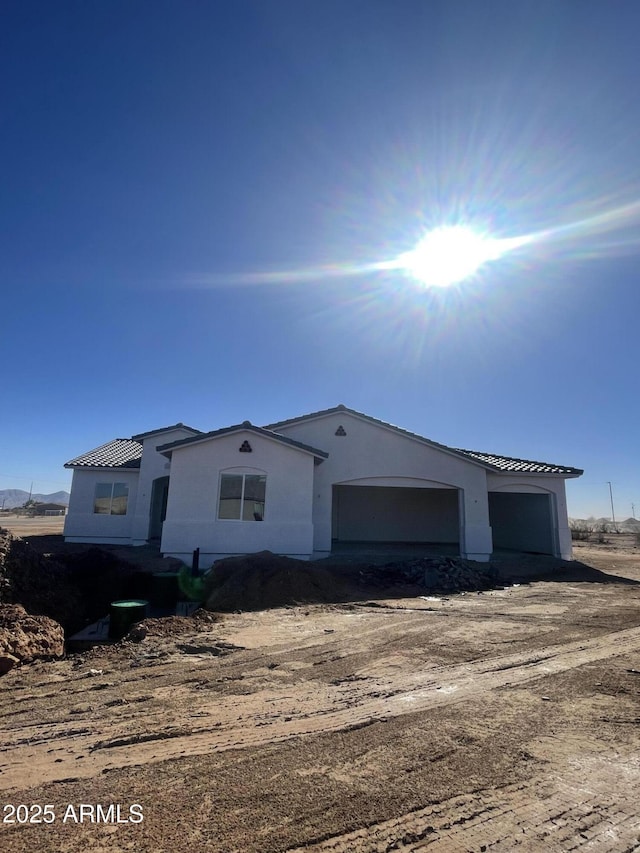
(154, 154)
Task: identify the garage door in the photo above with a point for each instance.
(395, 514)
(521, 522)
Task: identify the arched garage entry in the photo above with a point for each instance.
(522, 521)
(416, 514)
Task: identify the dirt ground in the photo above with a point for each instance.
(41, 526)
(496, 721)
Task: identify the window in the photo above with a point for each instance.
(242, 497)
(111, 499)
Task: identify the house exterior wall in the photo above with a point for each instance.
(152, 466)
(389, 468)
(192, 507)
(370, 451)
(542, 484)
(82, 524)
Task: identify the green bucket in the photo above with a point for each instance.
(123, 614)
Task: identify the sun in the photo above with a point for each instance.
(448, 255)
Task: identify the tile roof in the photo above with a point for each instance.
(504, 464)
(343, 408)
(127, 452)
(245, 425)
(339, 408)
(509, 464)
(180, 425)
(119, 453)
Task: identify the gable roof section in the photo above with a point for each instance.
(167, 449)
(320, 414)
(342, 408)
(501, 464)
(119, 453)
(142, 435)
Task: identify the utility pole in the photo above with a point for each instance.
(613, 515)
(633, 510)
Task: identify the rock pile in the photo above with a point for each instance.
(436, 574)
(24, 638)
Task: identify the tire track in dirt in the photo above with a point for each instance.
(204, 724)
(555, 817)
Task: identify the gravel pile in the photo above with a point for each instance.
(436, 574)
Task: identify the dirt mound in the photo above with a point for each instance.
(24, 637)
(171, 626)
(74, 588)
(41, 585)
(263, 580)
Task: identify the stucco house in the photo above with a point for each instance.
(302, 486)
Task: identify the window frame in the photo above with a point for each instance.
(112, 497)
(243, 474)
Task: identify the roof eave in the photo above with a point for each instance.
(167, 449)
(143, 435)
(566, 475)
(80, 466)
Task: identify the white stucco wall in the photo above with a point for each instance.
(369, 451)
(152, 466)
(82, 524)
(541, 484)
(192, 507)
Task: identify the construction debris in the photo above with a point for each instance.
(437, 574)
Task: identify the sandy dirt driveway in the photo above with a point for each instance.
(506, 720)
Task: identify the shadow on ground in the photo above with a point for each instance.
(577, 572)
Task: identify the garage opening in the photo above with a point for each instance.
(521, 522)
(395, 515)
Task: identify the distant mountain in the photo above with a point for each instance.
(17, 497)
(629, 525)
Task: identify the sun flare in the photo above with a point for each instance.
(448, 255)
